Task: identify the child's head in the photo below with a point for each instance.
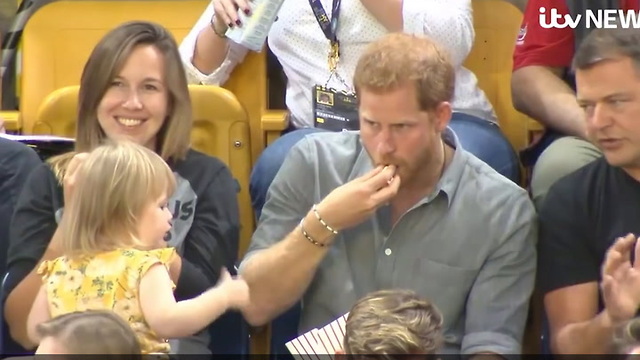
(393, 322)
(119, 200)
(88, 332)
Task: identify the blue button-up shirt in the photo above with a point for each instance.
(469, 246)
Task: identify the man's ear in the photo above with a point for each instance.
(442, 115)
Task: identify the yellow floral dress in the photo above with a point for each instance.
(107, 281)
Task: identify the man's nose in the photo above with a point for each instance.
(385, 143)
(601, 116)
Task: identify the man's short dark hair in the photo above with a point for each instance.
(607, 44)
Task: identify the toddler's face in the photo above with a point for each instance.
(155, 222)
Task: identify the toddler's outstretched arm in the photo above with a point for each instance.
(171, 319)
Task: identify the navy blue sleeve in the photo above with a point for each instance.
(16, 163)
(33, 224)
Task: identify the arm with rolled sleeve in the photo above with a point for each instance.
(448, 22)
(498, 303)
(288, 199)
(281, 263)
(213, 240)
(235, 54)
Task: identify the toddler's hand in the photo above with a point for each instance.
(236, 288)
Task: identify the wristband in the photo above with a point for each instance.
(315, 211)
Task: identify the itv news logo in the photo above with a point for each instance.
(602, 19)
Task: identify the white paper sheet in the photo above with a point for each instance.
(324, 341)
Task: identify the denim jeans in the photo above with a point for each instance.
(479, 137)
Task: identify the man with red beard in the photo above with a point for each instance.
(399, 204)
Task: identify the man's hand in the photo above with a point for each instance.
(621, 279)
(353, 202)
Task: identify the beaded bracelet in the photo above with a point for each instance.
(315, 211)
(306, 235)
(213, 27)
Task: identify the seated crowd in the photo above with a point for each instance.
(413, 220)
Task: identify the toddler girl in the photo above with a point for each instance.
(115, 255)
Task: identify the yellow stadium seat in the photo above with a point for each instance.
(10, 119)
(58, 112)
(220, 128)
(249, 83)
(496, 24)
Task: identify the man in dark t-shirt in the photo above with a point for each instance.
(588, 274)
(543, 88)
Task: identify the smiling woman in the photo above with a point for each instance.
(135, 103)
(133, 87)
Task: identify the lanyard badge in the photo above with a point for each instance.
(334, 57)
(333, 110)
(330, 29)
